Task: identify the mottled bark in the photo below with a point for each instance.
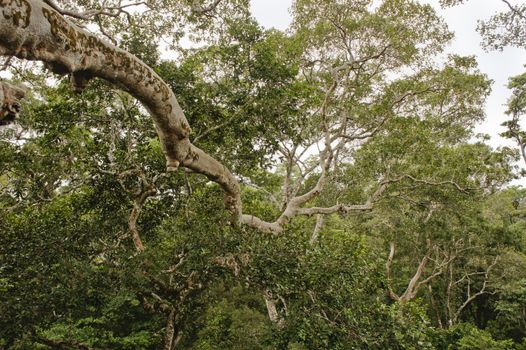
(320, 220)
(32, 30)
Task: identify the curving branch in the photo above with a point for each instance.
(417, 280)
(33, 30)
(414, 284)
(437, 183)
(442, 261)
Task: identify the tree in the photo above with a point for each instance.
(516, 111)
(66, 48)
(344, 114)
(507, 29)
(502, 29)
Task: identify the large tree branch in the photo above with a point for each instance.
(417, 280)
(295, 208)
(32, 30)
(435, 183)
(413, 285)
(295, 205)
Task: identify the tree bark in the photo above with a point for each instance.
(170, 330)
(32, 30)
(272, 309)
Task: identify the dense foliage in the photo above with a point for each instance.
(101, 248)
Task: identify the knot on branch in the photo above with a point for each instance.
(10, 97)
(79, 80)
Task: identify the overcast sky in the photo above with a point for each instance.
(499, 66)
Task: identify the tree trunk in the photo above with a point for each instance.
(170, 331)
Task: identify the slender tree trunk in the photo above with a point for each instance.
(272, 309)
(320, 220)
(170, 331)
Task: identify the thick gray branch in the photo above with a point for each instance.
(32, 30)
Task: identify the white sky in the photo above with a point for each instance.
(462, 20)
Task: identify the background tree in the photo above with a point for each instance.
(503, 29)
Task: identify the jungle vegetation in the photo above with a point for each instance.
(315, 188)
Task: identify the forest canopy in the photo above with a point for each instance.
(320, 187)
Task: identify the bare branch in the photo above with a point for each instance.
(341, 208)
(470, 297)
(294, 208)
(416, 281)
(435, 183)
